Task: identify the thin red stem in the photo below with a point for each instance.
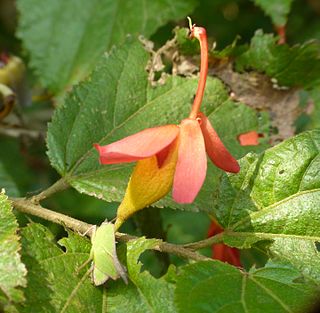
(281, 30)
(201, 35)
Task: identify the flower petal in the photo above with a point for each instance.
(138, 146)
(249, 139)
(163, 154)
(216, 150)
(192, 162)
(148, 184)
(227, 254)
(221, 251)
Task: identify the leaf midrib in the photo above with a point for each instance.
(272, 207)
(270, 236)
(271, 293)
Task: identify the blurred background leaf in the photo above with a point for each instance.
(16, 177)
(298, 66)
(65, 57)
(277, 10)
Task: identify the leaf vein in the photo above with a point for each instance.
(272, 295)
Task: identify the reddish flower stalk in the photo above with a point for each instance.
(192, 140)
(201, 34)
(281, 30)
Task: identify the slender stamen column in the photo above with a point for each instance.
(201, 35)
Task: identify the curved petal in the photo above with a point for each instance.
(148, 184)
(216, 150)
(221, 251)
(138, 146)
(227, 254)
(163, 154)
(192, 162)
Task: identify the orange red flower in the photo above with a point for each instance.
(191, 140)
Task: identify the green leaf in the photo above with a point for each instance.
(277, 10)
(103, 252)
(268, 183)
(53, 282)
(302, 254)
(185, 45)
(63, 289)
(230, 51)
(144, 294)
(213, 286)
(276, 197)
(15, 176)
(61, 57)
(296, 66)
(12, 270)
(117, 101)
(191, 47)
(315, 115)
(7, 181)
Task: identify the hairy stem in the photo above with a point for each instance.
(29, 207)
(59, 185)
(204, 243)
